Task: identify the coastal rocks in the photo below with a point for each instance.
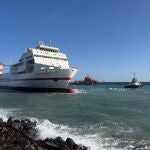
(22, 135)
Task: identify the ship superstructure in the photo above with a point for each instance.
(42, 67)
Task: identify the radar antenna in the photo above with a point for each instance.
(40, 42)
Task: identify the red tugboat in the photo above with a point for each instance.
(87, 81)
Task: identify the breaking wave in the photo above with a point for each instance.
(94, 141)
(83, 91)
(117, 89)
(6, 113)
(51, 130)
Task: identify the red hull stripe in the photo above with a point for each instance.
(55, 79)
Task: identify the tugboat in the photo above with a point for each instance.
(87, 81)
(134, 84)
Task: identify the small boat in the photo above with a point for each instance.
(134, 84)
(87, 81)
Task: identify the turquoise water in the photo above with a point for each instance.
(105, 116)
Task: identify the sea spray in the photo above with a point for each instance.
(5, 114)
(51, 130)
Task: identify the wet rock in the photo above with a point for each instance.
(82, 147)
(1, 122)
(29, 124)
(70, 143)
(51, 145)
(22, 135)
(16, 124)
(59, 141)
(4, 129)
(9, 121)
(22, 141)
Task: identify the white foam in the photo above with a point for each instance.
(77, 91)
(117, 89)
(93, 141)
(51, 130)
(5, 114)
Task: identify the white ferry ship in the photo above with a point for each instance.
(43, 68)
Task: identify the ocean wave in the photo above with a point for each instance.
(76, 91)
(117, 89)
(93, 140)
(90, 90)
(98, 90)
(81, 91)
(48, 129)
(6, 113)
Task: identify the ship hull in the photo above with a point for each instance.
(29, 89)
(133, 86)
(56, 80)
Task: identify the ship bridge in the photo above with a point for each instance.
(42, 56)
(48, 48)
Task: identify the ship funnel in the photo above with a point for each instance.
(1, 69)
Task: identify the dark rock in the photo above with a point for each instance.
(22, 141)
(59, 141)
(31, 133)
(29, 124)
(22, 135)
(70, 143)
(16, 124)
(4, 129)
(51, 145)
(9, 121)
(76, 147)
(1, 122)
(82, 147)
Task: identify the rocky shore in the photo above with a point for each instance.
(18, 134)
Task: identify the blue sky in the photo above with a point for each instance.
(107, 39)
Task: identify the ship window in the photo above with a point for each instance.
(51, 67)
(28, 57)
(43, 69)
(30, 61)
(51, 57)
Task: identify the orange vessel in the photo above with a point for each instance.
(87, 81)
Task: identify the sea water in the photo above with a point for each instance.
(102, 117)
